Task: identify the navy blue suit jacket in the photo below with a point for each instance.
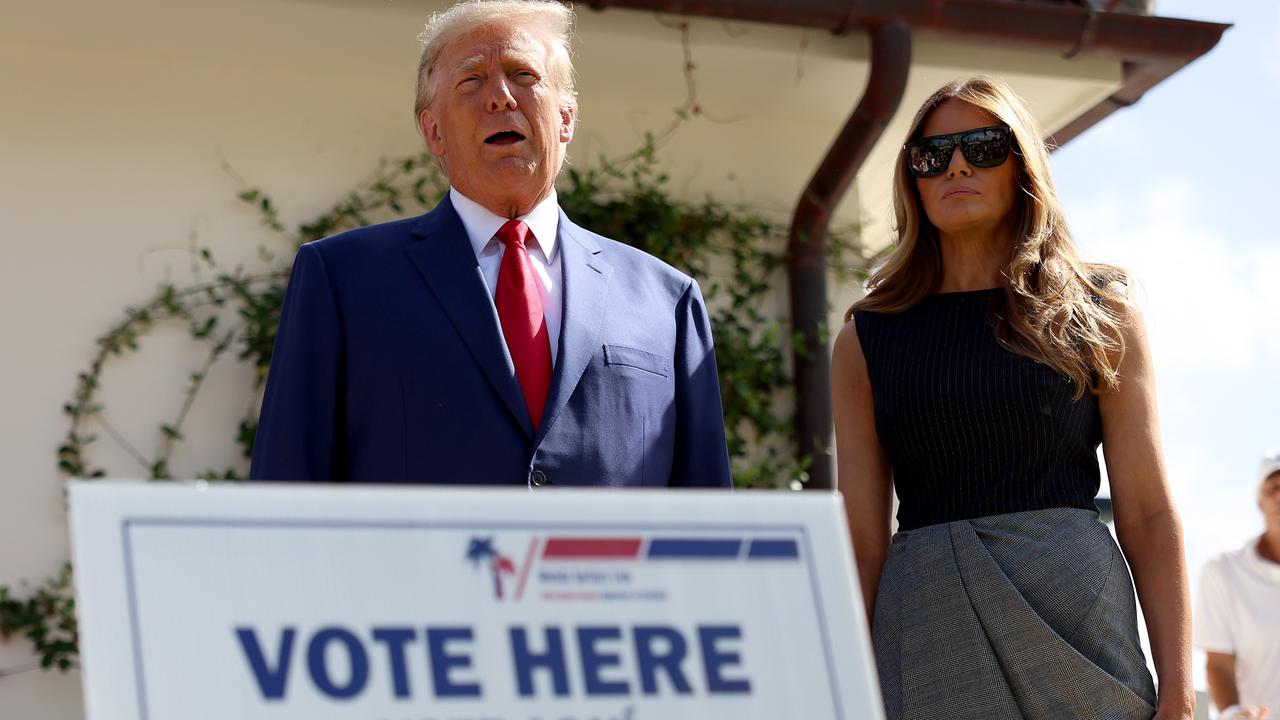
(389, 366)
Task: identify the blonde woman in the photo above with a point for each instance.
(977, 378)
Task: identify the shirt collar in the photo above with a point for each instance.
(482, 224)
(1265, 567)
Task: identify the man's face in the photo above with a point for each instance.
(1269, 500)
(496, 118)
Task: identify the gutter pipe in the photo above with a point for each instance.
(807, 242)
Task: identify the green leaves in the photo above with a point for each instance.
(47, 619)
(159, 469)
(270, 216)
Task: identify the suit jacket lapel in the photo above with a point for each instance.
(444, 257)
(586, 285)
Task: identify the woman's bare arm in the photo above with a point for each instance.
(864, 476)
(1146, 521)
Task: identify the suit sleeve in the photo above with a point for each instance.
(701, 455)
(298, 426)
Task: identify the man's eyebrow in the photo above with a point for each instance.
(469, 63)
(523, 56)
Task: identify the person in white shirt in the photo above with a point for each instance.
(1238, 614)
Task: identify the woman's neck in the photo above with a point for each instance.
(974, 260)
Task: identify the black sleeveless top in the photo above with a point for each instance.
(970, 428)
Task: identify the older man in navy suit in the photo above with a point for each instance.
(492, 341)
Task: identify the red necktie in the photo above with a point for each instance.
(523, 323)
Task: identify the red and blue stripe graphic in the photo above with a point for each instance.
(660, 548)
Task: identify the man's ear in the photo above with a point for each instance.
(568, 121)
(429, 124)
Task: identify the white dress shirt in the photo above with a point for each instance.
(543, 221)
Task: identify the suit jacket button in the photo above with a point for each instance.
(539, 478)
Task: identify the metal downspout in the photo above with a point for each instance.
(807, 242)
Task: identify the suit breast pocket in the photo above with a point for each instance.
(618, 426)
(623, 356)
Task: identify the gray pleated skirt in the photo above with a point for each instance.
(1024, 616)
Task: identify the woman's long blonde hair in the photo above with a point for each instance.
(1058, 310)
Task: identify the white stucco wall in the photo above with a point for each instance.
(116, 118)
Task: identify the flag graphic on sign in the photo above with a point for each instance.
(481, 552)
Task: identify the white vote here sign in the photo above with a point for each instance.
(393, 603)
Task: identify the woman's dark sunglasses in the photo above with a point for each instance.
(986, 147)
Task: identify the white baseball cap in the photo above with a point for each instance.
(1270, 465)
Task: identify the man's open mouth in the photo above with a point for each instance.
(506, 137)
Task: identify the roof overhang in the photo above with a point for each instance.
(1151, 47)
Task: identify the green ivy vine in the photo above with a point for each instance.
(736, 254)
(47, 619)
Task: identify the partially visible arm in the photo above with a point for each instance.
(297, 428)
(863, 471)
(1214, 634)
(1220, 669)
(1146, 521)
(701, 454)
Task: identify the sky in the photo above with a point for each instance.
(1180, 189)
